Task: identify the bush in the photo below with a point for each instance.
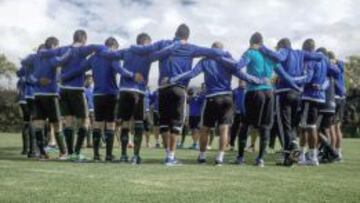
(10, 114)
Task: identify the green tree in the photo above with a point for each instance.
(352, 72)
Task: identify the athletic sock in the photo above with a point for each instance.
(25, 137)
(264, 133)
(32, 140)
(96, 141)
(243, 134)
(40, 140)
(171, 155)
(80, 140)
(59, 137)
(109, 137)
(124, 141)
(69, 139)
(139, 128)
(202, 155)
(220, 156)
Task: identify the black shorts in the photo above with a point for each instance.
(340, 110)
(327, 120)
(73, 103)
(47, 107)
(194, 122)
(218, 110)
(131, 105)
(104, 106)
(172, 101)
(147, 122)
(259, 108)
(156, 118)
(310, 114)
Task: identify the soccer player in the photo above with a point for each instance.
(196, 102)
(289, 98)
(131, 103)
(238, 98)
(25, 114)
(259, 98)
(105, 92)
(313, 96)
(172, 98)
(73, 101)
(89, 89)
(340, 99)
(218, 108)
(46, 95)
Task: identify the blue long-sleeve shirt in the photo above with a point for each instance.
(89, 98)
(104, 73)
(136, 63)
(217, 75)
(179, 60)
(239, 97)
(340, 90)
(196, 104)
(26, 71)
(292, 62)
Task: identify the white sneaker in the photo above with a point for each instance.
(302, 160)
(313, 162)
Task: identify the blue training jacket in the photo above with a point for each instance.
(178, 61)
(104, 72)
(292, 62)
(196, 103)
(239, 97)
(25, 72)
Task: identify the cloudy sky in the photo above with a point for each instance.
(334, 24)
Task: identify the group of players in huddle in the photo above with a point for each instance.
(289, 92)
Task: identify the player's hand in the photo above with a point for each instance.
(138, 78)
(44, 81)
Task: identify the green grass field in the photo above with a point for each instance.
(23, 180)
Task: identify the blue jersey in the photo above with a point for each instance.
(292, 62)
(104, 73)
(89, 98)
(196, 104)
(239, 97)
(217, 75)
(25, 73)
(136, 63)
(179, 60)
(20, 85)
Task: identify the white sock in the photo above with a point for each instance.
(202, 155)
(171, 155)
(167, 153)
(302, 150)
(338, 150)
(314, 155)
(220, 156)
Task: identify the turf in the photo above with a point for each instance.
(24, 180)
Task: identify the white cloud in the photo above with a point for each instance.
(332, 23)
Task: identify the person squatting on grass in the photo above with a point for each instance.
(309, 91)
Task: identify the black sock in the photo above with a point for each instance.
(69, 139)
(124, 140)
(138, 135)
(243, 134)
(32, 140)
(264, 137)
(25, 138)
(96, 141)
(59, 137)
(109, 137)
(40, 140)
(80, 140)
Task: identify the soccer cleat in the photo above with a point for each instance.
(201, 161)
(77, 157)
(31, 155)
(312, 162)
(97, 158)
(218, 163)
(109, 158)
(124, 158)
(239, 161)
(288, 162)
(63, 156)
(136, 160)
(260, 163)
(173, 162)
(44, 157)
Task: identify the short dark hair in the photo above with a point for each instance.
(331, 55)
(111, 42)
(80, 36)
(308, 45)
(322, 50)
(183, 32)
(217, 45)
(142, 37)
(284, 43)
(51, 42)
(256, 38)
